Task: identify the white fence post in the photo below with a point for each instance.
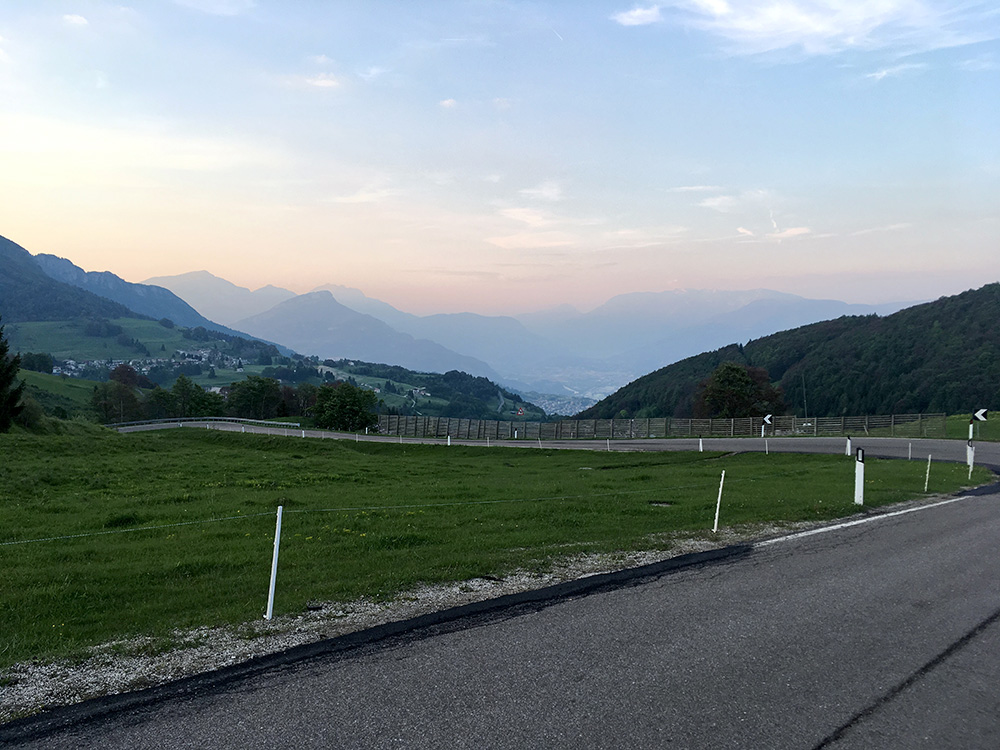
(718, 503)
(859, 477)
(274, 566)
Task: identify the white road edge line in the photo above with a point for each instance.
(857, 522)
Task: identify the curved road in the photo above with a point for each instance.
(987, 454)
(883, 632)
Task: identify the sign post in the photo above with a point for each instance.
(859, 477)
(978, 416)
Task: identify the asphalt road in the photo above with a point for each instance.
(987, 454)
(881, 634)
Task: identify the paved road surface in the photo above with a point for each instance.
(884, 634)
(987, 454)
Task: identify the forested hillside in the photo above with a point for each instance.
(943, 356)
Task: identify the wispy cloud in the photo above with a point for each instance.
(323, 81)
(789, 233)
(448, 103)
(748, 200)
(75, 20)
(696, 189)
(887, 228)
(77, 153)
(980, 63)
(365, 195)
(531, 216)
(640, 238)
(218, 7)
(373, 72)
(638, 16)
(549, 190)
(828, 26)
(895, 70)
(526, 240)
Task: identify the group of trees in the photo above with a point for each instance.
(734, 390)
(129, 396)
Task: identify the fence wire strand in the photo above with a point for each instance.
(138, 528)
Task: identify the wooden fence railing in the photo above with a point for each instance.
(894, 425)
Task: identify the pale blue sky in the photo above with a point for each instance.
(507, 156)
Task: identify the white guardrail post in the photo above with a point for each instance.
(718, 503)
(859, 477)
(274, 565)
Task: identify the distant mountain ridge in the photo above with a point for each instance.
(145, 299)
(221, 300)
(938, 356)
(562, 351)
(27, 293)
(318, 324)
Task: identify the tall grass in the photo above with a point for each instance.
(148, 532)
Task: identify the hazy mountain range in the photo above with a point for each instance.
(562, 358)
(941, 356)
(560, 351)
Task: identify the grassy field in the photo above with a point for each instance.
(144, 533)
(67, 340)
(957, 427)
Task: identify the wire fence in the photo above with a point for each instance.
(893, 425)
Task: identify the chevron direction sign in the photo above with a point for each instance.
(980, 416)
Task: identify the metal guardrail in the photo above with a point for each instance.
(184, 420)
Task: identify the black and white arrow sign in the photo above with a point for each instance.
(980, 416)
(767, 419)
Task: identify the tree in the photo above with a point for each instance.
(160, 404)
(127, 375)
(255, 397)
(38, 362)
(345, 407)
(116, 402)
(184, 391)
(10, 394)
(735, 390)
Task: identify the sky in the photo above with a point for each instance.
(502, 157)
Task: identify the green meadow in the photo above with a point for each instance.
(105, 535)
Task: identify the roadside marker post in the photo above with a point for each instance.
(718, 503)
(927, 478)
(274, 565)
(859, 477)
(701, 445)
(972, 459)
(847, 450)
